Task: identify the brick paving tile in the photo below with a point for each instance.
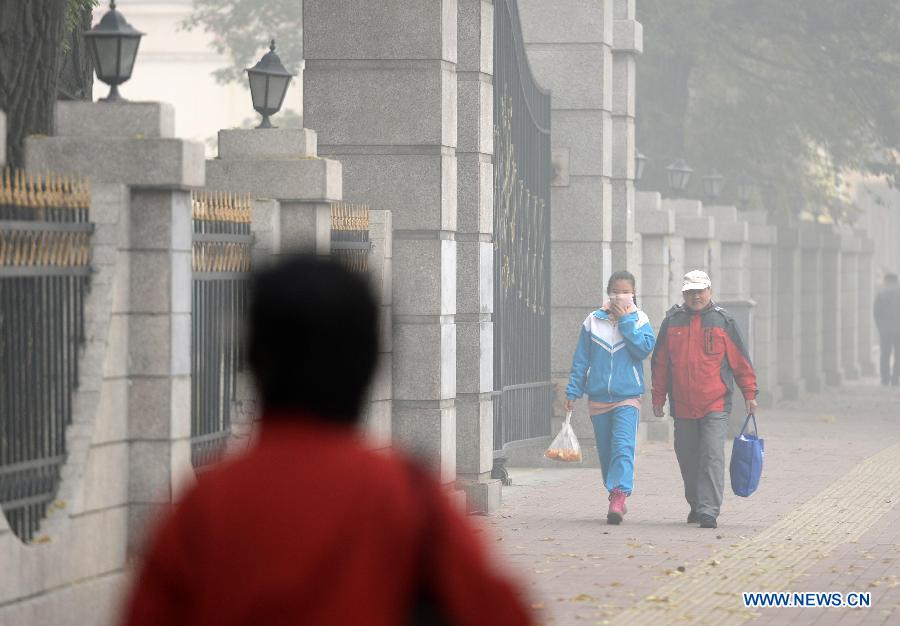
(869, 564)
(553, 535)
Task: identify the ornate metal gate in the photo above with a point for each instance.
(522, 172)
(350, 243)
(221, 266)
(44, 272)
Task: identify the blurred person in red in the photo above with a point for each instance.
(311, 526)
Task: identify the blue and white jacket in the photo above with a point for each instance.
(607, 363)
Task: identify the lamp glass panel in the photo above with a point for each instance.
(678, 179)
(107, 54)
(127, 55)
(277, 88)
(673, 179)
(712, 186)
(258, 89)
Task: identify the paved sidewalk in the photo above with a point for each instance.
(655, 568)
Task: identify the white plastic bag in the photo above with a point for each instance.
(565, 446)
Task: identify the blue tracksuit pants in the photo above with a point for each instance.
(616, 433)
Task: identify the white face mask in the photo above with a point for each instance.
(624, 300)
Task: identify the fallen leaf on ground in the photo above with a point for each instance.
(582, 597)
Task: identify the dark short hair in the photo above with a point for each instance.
(622, 275)
(312, 338)
(890, 277)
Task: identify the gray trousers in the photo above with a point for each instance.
(700, 448)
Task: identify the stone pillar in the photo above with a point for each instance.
(656, 228)
(701, 248)
(133, 144)
(787, 294)
(265, 224)
(380, 88)
(379, 411)
(732, 234)
(628, 42)
(569, 46)
(763, 238)
(832, 362)
(810, 291)
(851, 305)
(281, 163)
(866, 322)
(475, 256)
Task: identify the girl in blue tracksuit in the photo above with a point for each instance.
(607, 365)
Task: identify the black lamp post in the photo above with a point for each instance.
(745, 186)
(713, 184)
(679, 174)
(640, 162)
(269, 81)
(113, 44)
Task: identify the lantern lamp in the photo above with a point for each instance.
(679, 174)
(713, 184)
(113, 45)
(269, 82)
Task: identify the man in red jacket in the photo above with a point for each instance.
(310, 526)
(698, 352)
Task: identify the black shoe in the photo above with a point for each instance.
(707, 521)
(693, 517)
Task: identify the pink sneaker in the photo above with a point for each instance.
(617, 508)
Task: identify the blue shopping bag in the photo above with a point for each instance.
(746, 460)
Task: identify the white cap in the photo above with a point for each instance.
(696, 279)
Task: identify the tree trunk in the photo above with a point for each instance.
(76, 69)
(31, 35)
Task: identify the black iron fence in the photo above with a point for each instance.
(350, 235)
(221, 265)
(522, 173)
(44, 270)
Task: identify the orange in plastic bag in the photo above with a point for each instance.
(565, 445)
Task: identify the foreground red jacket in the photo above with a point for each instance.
(696, 357)
(310, 527)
